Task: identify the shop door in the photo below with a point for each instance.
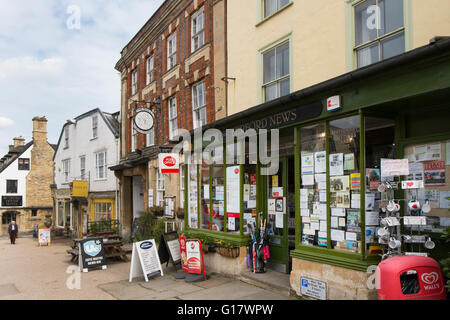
(277, 212)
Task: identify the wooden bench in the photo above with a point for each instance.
(74, 253)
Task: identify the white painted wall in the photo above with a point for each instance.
(81, 143)
(12, 172)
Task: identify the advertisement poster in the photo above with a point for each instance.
(219, 193)
(353, 220)
(373, 176)
(427, 152)
(394, 167)
(355, 181)
(193, 256)
(184, 264)
(252, 179)
(337, 164)
(44, 236)
(434, 173)
(444, 199)
(340, 183)
(307, 163)
(92, 253)
(233, 190)
(320, 162)
(349, 161)
(415, 171)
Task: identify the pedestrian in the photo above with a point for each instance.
(13, 231)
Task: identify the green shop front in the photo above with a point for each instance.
(322, 205)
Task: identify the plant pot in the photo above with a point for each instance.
(228, 252)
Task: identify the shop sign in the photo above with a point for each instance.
(280, 119)
(92, 254)
(11, 201)
(169, 163)
(184, 264)
(143, 120)
(80, 188)
(194, 257)
(333, 103)
(313, 288)
(145, 260)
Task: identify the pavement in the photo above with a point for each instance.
(30, 272)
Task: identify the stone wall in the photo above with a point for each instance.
(342, 283)
(216, 263)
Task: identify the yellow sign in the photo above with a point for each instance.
(80, 188)
(274, 181)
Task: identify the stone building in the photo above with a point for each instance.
(26, 174)
(173, 66)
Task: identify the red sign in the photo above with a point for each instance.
(169, 163)
(252, 178)
(184, 264)
(194, 257)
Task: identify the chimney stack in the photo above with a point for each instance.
(39, 130)
(18, 142)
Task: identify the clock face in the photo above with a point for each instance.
(143, 121)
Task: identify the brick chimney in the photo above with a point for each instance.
(39, 130)
(18, 141)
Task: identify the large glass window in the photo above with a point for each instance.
(379, 30)
(276, 79)
(218, 198)
(313, 190)
(192, 194)
(205, 195)
(249, 195)
(233, 188)
(345, 177)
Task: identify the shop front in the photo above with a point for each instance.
(323, 204)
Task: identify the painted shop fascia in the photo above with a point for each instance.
(409, 93)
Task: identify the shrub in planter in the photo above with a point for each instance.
(157, 211)
(228, 252)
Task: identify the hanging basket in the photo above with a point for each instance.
(228, 252)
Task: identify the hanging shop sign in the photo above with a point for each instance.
(145, 260)
(280, 119)
(169, 163)
(44, 237)
(11, 201)
(80, 188)
(334, 103)
(143, 120)
(92, 254)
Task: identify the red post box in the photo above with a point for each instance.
(410, 278)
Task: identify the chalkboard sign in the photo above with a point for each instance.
(92, 254)
(169, 249)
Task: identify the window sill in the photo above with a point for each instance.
(94, 138)
(236, 239)
(274, 14)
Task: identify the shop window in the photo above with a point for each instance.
(11, 186)
(24, 164)
(102, 211)
(63, 217)
(204, 196)
(233, 201)
(218, 197)
(345, 177)
(249, 195)
(428, 162)
(379, 30)
(313, 192)
(276, 79)
(182, 177)
(275, 203)
(192, 194)
(379, 143)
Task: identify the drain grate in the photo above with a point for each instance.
(8, 290)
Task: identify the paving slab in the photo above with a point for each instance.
(124, 292)
(8, 290)
(153, 295)
(213, 281)
(233, 290)
(158, 284)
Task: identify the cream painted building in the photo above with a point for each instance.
(321, 38)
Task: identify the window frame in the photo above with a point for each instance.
(172, 55)
(173, 120)
(379, 39)
(8, 186)
(279, 8)
(94, 126)
(23, 164)
(102, 167)
(195, 100)
(150, 61)
(160, 181)
(133, 137)
(150, 137)
(66, 137)
(134, 81)
(83, 168)
(199, 34)
(66, 165)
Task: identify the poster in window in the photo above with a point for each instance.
(353, 221)
(337, 164)
(415, 171)
(355, 181)
(434, 173)
(349, 161)
(373, 177)
(307, 163)
(427, 152)
(233, 190)
(340, 183)
(320, 162)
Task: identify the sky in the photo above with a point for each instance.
(57, 60)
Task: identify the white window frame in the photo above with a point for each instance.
(197, 105)
(173, 118)
(94, 126)
(150, 64)
(134, 82)
(197, 30)
(276, 80)
(172, 50)
(279, 7)
(150, 137)
(182, 177)
(83, 167)
(133, 137)
(100, 168)
(66, 137)
(160, 188)
(66, 169)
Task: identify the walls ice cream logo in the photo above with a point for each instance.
(92, 248)
(431, 280)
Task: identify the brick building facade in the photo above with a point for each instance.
(169, 64)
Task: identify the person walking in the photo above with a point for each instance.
(13, 230)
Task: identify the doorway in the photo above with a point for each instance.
(137, 196)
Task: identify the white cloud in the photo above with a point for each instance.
(28, 67)
(5, 122)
